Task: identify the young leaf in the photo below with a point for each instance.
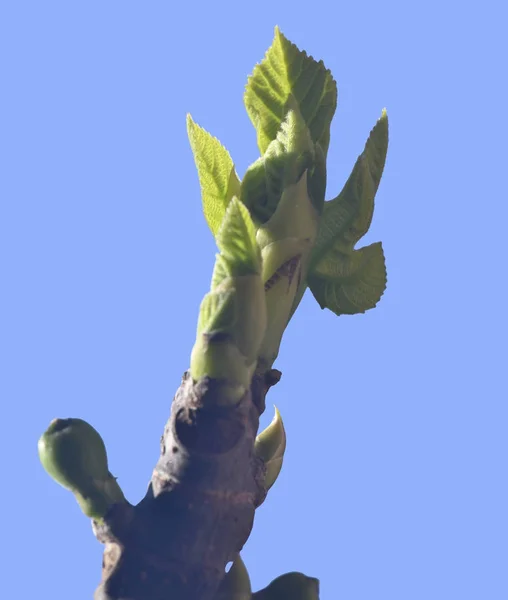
(236, 239)
(220, 272)
(354, 283)
(232, 317)
(287, 71)
(317, 178)
(217, 176)
(347, 217)
(286, 158)
(345, 280)
(217, 312)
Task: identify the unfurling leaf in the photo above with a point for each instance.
(270, 446)
(231, 327)
(217, 312)
(236, 239)
(217, 176)
(288, 72)
(236, 304)
(236, 583)
(287, 157)
(232, 317)
(221, 271)
(347, 217)
(345, 280)
(290, 586)
(74, 455)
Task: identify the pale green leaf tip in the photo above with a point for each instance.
(277, 420)
(271, 442)
(383, 119)
(192, 126)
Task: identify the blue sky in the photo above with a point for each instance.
(394, 483)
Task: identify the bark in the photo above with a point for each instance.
(199, 508)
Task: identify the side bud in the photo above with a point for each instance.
(290, 586)
(236, 583)
(270, 446)
(73, 454)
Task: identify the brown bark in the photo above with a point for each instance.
(199, 508)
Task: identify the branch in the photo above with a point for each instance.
(199, 508)
(276, 236)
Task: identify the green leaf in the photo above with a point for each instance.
(287, 71)
(217, 312)
(342, 279)
(221, 271)
(232, 317)
(317, 179)
(217, 176)
(236, 239)
(283, 164)
(353, 283)
(347, 217)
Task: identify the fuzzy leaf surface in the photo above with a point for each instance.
(358, 283)
(342, 279)
(284, 162)
(217, 176)
(236, 239)
(217, 312)
(286, 71)
(347, 217)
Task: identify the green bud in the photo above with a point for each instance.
(270, 446)
(286, 242)
(217, 356)
(283, 260)
(236, 583)
(232, 316)
(249, 327)
(74, 455)
(295, 216)
(286, 158)
(290, 586)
